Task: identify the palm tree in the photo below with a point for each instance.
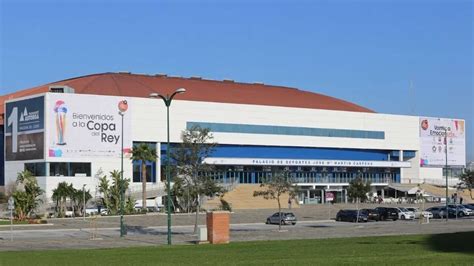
(60, 195)
(26, 198)
(143, 153)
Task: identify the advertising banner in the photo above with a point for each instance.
(84, 126)
(434, 150)
(24, 129)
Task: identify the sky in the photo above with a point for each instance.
(398, 57)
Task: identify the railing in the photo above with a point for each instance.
(341, 179)
(452, 182)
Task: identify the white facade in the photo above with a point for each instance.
(148, 124)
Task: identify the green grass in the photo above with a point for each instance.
(443, 249)
(7, 222)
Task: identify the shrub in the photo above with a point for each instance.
(225, 205)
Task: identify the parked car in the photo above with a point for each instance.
(469, 206)
(460, 210)
(418, 213)
(372, 214)
(438, 212)
(286, 218)
(351, 216)
(387, 213)
(404, 214)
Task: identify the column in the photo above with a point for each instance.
(400, 158)
(345, 196)
(323, 199)
(383, 193)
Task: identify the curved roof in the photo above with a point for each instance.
(197, 89)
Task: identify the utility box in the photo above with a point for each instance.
(218, 223)
(202, 235)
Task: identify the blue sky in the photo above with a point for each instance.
(366, 52)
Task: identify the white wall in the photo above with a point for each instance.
(149, 123)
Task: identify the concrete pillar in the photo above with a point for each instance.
(401, 169)
(383, 193)
(307, 194)
(345, 196)
(323, 198)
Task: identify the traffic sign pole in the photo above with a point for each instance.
(11, 206)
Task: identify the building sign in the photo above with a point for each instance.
(24, 129)
(87, 126)
(433, 144)
(329, 196)
(303, 162)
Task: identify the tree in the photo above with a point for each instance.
(143, 153)
(111, 193)
(60, 195)
(191, 181)
(358, 189)
(275, 186)
(27, 195)
(78, 197)
(467, 181)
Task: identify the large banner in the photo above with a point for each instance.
(433, 142)
(84, 126)
(24, 129)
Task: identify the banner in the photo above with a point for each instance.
(24, 129)
(303, 162)
(84, 126)
(434, 150)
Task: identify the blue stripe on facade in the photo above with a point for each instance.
(290, 131)
(277, 152)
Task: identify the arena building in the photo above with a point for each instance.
(71, 130)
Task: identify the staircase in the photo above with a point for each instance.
(241, 197)
(441, 192)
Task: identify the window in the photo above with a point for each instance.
(137, 171)
(70, 169)
(80, 169)
(58, 169)
(150, 166)
(37, 169)
(292, 131)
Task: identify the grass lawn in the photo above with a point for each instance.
(443, 249)
(7, 222)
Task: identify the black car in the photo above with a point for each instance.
(351, 216)
(387, 213)
(372, 214)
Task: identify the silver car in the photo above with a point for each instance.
(285, 218)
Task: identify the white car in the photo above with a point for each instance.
(404, 214)
(419, 213)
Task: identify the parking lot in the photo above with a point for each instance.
(314, 222)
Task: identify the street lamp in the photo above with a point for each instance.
(84, 202)
(167, 100)
(446, 167)
(122, 106)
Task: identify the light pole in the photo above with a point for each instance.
(167, 100)
(122, 106)
(446, 167)
(84, 202)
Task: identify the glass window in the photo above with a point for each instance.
(58, 169)
(37, 169)
(80, 169)
(150, 166)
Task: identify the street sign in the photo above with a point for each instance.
(11, 203)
